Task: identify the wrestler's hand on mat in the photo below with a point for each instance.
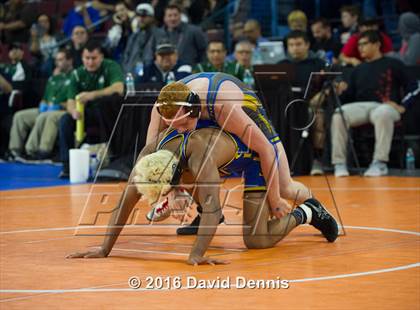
(202, 260)
(281, 208)
(96, 253)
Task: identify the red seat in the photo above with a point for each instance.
(4, 53)
(64, 7)
(48, 7)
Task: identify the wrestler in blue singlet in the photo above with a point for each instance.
(251, 104)
(244, 163)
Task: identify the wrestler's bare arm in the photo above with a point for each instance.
(232, 118)
(120, 214)
(156, 126)
(203, 167)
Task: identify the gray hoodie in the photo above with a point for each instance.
(409, 28)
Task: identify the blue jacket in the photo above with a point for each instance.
(152, 74)
(74, 19)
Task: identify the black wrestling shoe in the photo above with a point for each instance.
(322, 220)
(192, 228)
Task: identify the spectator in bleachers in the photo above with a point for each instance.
(243, 57)
(83, 14)
(374, 92)
(237, 31)
(166, 68)
(297, 20)
(252, 32)
(142, 10)
(43, 44)
(243, 54)
(216, 54)
(190, 40)
(41, 123)
(18, 18)
(305, 62)
(409, 28)
(99, 85)
(118, 34)
(183, 5)
(5, 114)
(133, 55)
(350, 15)
(350, 53)
(17, 75)
(17, 70)
(324, 40)
(159, 8)
(79, 37)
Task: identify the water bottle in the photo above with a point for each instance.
(43, 107)
(93, 165)
(139, 68)
(410, 160)
(249, 79)
(129, 84)
(329, 57)
(257, 57)
(170, 78)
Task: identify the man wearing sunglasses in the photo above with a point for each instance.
(159, 167)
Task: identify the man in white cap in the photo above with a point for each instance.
(133, 56)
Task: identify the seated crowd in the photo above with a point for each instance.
(90, 60)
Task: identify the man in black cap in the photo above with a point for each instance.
(17, 70)
(166, 67)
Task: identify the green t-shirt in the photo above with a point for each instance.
(56, 89)
(231, 68)
(81, 80)
(17, 72)
(8, 70)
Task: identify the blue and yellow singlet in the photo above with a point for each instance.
(244, 163)
(251, 104)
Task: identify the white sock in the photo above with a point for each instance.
(308, 213)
